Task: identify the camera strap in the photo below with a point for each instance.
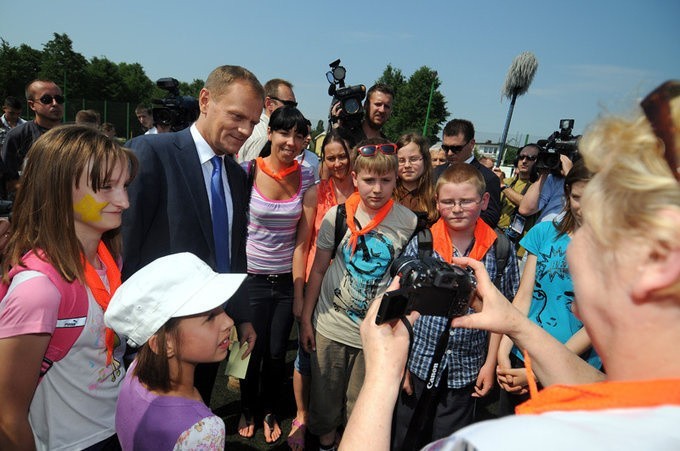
(424, 412)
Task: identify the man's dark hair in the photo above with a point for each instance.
(379, 87)
(142, 107)
(457, 126)
(13, 103)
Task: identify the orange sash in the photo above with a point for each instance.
(273, 174)
(99, 291)
(351, 205)
(604, 395)
(442, 244)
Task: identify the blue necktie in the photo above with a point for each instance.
(220, 217)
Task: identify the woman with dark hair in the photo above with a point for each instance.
(60, 367)
(546, 291)
(282, 207)
(414, 186)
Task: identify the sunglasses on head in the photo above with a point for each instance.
(371, 149)
(48, 99)
(657, 108)
(454, 149)
(285, 102)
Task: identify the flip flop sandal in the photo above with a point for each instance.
(296, 439)
(271, 421)
(249, 420)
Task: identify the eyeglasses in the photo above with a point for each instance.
(464, 204)
(454, 149)
(371, 149)
(48, 99)
(412, 160)
(657, 108)
(527, 157)
(285, 102)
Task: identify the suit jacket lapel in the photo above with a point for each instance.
(192, 176)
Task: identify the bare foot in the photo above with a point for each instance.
(272, 430)
(246, 426)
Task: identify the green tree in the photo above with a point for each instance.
(103, 80)
(319, 129)
(411, 101)
(136, 86)
(64, 66)
(191, 89)
(18, 66)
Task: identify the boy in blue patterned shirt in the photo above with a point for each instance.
(467, 369)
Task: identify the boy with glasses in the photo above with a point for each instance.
(377, 231)
(47, 102)
(468, 368)
(458, 141)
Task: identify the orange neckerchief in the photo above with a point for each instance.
(101, 295)
(604, 395)
(441, 240)
(351, 205)
(273, 174)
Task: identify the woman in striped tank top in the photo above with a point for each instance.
(282, 208)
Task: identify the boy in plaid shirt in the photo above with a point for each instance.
(467, 369)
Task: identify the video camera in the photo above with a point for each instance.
(428, 286)
(177, 111)
(561, 142)
(349, 97)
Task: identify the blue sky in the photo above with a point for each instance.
(594, 56)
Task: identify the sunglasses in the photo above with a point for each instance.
(285, 102)
(527, 157)
(48, 99)
(657, 108)
(454, 149)
(371, 149)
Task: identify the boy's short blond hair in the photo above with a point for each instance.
(462, 173)
(378, 163)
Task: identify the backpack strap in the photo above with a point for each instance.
(424, 243)
(340, 226)
(502, 250)
(72, 313)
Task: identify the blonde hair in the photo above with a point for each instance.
(43, 211)
(632, 185)
(378, 163)
(462, 173)
(223, 76)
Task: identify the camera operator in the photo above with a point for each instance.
(377, 111)
(513, 190)
(546, 195)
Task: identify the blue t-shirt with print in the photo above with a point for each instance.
(553, 288)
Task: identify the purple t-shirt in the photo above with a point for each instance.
(145, 420)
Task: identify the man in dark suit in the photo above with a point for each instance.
(458, 141)
(172, 199)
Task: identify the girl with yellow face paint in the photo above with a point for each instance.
(59, 365)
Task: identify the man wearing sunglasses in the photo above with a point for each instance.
(513, 188)
(278, 92)
(458, 141)
(47, 102)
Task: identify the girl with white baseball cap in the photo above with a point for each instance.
(173, 310)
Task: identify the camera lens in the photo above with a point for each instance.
(352, 106)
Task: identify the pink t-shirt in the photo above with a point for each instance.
(23, 311)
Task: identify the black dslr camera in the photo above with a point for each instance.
(349, 97)
(561, 142)
(428, 286)
(174, 110)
